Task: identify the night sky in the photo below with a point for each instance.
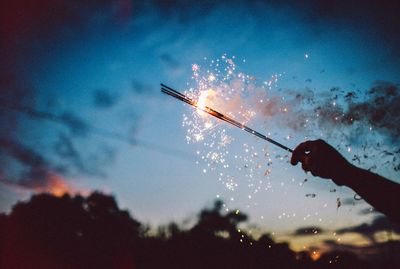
(81, 107)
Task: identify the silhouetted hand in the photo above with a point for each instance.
(322, 160)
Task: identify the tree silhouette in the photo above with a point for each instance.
(212, 221)
(68, 232)
(93, 232)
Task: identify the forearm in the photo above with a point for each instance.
(378, 191)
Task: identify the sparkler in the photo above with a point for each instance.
(167, 90)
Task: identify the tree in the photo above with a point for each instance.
(68, 232)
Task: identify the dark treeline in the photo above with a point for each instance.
(92, 232)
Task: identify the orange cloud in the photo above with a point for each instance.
(52, 183)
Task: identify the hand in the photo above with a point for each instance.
(322, 160)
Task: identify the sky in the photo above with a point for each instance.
(82, 108)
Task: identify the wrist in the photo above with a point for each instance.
(345, 175)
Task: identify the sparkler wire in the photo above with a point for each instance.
(167, 90)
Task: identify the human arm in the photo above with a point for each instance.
(322, 160)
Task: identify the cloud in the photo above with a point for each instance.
(350, 201)
(35, 163)
(69, 154)
(44, 26)
(379, 223)
(174, 67)
(50, 182)
(379, 109)
(346, 115)
(104, 99)
(27, 168)
(75, 123)
(170, 61)
(376, 108)
(27, 160)
(308, 231)
(368, 211)
(140, 87)
(23, 162)
(374, 111)
(17, 99)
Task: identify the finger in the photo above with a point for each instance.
(309, 164)
(305, 167)
(313, 164)
(300, 151)
(314, 169)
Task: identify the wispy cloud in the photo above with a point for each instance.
(308, 231)
(379, 223)
(49, 182)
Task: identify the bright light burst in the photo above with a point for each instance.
(222, 86)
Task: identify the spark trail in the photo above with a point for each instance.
(167, 90)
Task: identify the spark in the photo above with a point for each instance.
(211, 77)
(195, 68)
(201, 106)
(208, 124)
(221, 84)
(315, 255)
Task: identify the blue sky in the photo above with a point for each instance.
(125, 50)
